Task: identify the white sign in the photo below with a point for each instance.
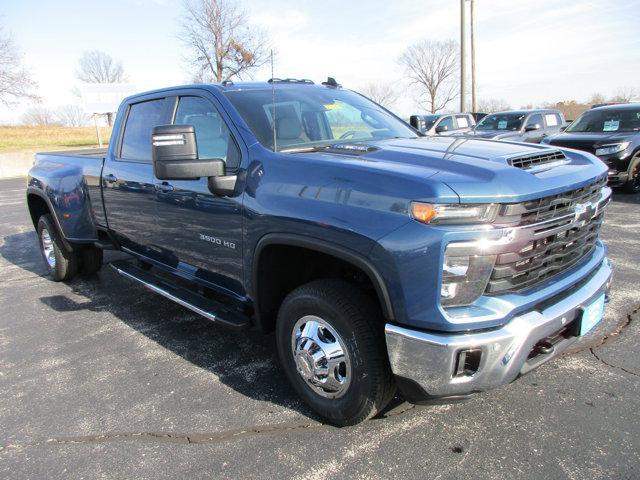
(104, 97)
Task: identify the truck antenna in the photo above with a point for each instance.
(273, 104)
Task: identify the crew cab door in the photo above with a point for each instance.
(128, 182)
(198, 232)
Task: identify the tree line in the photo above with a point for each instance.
(222, 45)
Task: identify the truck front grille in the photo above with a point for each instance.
(564, 229)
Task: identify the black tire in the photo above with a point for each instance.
(356, 319)
(91, 260)
(62, 264)
(633, 184)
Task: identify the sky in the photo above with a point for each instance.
(528, 52)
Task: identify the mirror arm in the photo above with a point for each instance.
(223, 185)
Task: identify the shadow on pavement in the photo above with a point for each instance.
(620, 196)
(245, 361)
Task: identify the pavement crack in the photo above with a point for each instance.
(189, 438)
(612, 365)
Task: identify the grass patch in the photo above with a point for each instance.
(48, 137)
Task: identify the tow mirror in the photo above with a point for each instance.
(175, 155)
(442, 128)
(531, 128)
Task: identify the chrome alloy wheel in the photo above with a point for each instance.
(47, 248)
(321, 357)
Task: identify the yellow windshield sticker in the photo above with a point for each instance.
(332, 106)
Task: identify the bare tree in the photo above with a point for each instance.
(40, 116)
(223, 44)
(596, 99)
(72, 116)
(15, 82)
(95, 66)
(99, 67)
(432, 67)
(625, 94)
(383, 93)
(492, 105)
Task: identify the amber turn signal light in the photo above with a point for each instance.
(423, 212)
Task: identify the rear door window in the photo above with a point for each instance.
(142, 118)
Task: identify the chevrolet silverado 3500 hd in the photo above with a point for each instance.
(380, 258)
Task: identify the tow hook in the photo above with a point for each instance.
(545, 347)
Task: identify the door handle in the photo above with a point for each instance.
(164, 187)
(111, 178)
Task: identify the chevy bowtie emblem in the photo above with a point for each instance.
(584, 212)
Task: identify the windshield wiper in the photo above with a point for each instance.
(314, 148)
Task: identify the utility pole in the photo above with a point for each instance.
(474, 105)
(463, 96)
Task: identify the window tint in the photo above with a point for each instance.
(447, 122)
(551, 119)
(463, 122)
(533, 119)
(213, 137)
(142, 118)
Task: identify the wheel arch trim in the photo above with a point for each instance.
(38, 193)
(328, 248)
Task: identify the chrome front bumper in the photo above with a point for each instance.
(429, 359)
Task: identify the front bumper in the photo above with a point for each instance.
(427, 362)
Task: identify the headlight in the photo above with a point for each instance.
(464, 278)
(454, 213)
(612, 148)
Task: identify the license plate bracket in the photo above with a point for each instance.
(592, 315)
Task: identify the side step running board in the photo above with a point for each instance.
(208, 308)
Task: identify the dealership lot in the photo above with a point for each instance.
(101, 378)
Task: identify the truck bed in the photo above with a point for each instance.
(84, 152)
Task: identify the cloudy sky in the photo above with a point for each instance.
(528, 52)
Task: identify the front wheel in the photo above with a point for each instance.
(633, 184)
(331, 345)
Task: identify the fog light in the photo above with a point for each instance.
(468, 362)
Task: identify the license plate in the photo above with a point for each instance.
(591, 315)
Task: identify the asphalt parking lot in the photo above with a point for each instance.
(100, 378)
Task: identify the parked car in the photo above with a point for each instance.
(519, 125)
(612, 133)
(381, 259)
(477, 116)
(443, 124)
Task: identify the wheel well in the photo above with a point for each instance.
(37, 208)
(282, 268)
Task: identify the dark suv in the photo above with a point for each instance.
(519, 125)
(443, 123)
(612, 133)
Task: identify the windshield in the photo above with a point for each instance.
(608, 120)
(309, 116)
(501, 121)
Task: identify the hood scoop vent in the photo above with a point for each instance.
(539, 162)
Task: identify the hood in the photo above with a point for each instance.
(587, 141)
(476, 170)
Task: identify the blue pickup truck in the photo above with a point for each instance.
(381, 259)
